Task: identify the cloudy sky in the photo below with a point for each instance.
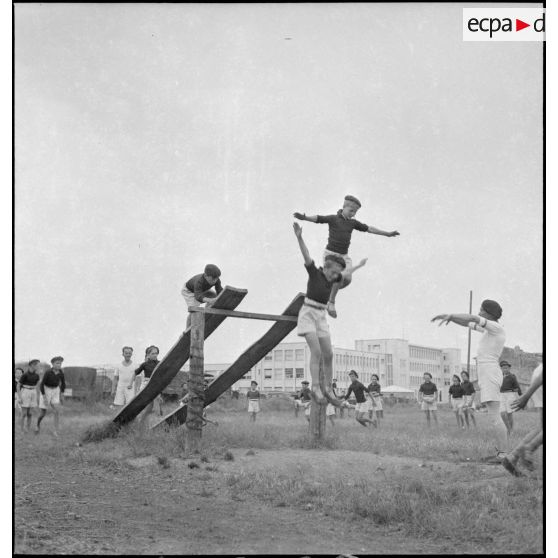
(153, 139)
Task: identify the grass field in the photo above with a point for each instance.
(265, 488)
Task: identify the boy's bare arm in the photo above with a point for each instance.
(303, 248)
(459, 319)
(374, 230)
(304, 217)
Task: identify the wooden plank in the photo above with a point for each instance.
(249, 315)
(174, 360)
(195, 383)
(249, 358)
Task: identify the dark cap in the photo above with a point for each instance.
(337, 259)
(353, 372)
(504, 363)
(212, 270)
(305, 382)
(493, 308)
(34, 361)
(254, 382)
(352, 199)
(56, 358)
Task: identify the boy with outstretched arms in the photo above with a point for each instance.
(341, 226)
(312, 321)
(197, 289)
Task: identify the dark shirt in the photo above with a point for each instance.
(253, 394)
(428, 388)
(200, 287)
(358, 389)
(456, 392)
(468, 387)
(305, 394)
(509, 383)
(340, 230)
(51, 379)
(147, 368)
(318, 287)
(29, 379)
(374, 388)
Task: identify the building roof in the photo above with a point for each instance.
(396, 389)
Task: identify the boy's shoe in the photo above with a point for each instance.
(510, 467)
(526, 459)
(331, 309)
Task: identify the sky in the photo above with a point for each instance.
(152, 139)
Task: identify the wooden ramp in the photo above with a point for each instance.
(249, 358)
(174, 360)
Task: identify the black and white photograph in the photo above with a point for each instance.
(278, 278)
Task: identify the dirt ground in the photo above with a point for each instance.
(67, 501)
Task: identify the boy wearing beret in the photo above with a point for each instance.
(341, 226)
(197, 289)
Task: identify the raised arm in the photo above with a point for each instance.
(522, 401)
(459, 319)
(303, 248)
(374, 230)
(304, 217)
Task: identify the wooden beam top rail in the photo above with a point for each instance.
(237, 314)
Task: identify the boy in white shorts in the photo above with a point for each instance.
(27, 393)
(509, 392)
(312, 322)
(253, 396)
(123, 379)
(427, 396)
(362, 405)
(341, 226)
(52, 388)
(197, 289)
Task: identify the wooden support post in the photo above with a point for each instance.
(195, 383)
(318, 413)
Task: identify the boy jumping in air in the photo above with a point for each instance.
(341, 226)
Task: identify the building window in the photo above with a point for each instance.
(288, 373)
(278, 374)
(288, 354)
(247, 376)
(268, 357)
(376, 347)
(300, 372)
(267, 373)
(402, 363)
(278, 355)
(299, 354)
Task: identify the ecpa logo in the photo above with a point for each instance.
(503, 24)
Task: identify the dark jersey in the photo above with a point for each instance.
(428, 388)
(358, 389)
(200, 287)
(147, 368)
(318, 287)
(456, 392)
(253, 394)
(468, 387)
(305, 394)
(52, 380)
(509, 383)
(30, 379)
(374, 390)
(340, 231)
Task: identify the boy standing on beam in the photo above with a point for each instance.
(341, 226)
(312, 321)
(197, 289)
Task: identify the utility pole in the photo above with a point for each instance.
(469, 336)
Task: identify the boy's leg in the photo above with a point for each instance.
(40, 419)
(427, 413)
(56, 414)
(434, 414)
(315, 357)
(496, 420)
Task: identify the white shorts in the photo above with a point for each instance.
(330, 410)
(348, 261)
(189, 297)
(362, 407)
(429, 405)
(537, 398)
(51, 397)
(468, 400)
(253, 405)
(377, 403)
(506, 400)
(307, 407)
(457, 404)
(123, 394)
(490, 380)
(312, 320)
(28, 397)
